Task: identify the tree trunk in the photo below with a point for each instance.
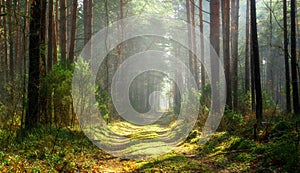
(294, 59)
(234, 49)
(50, 36)
(63, 31)
(226, 48)
(202, 44)
(73, 32)
(43, 96)
(88, 14)
(215, 42)
(32, 115)
(188, 17)
(195, 61)
(270, 75)
(55, 35)
(18, 36)
(5, 46)
(247, 53)
(286, 60)
(255, 57)
(10, 39)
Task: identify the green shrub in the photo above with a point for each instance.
(231, 121)
(56, 88)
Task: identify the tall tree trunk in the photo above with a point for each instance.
(195, 61)
(50, 36)
(256, 64)
(247, 53)
(10, 38)
(63, 30)
(73, 31)
(121, 29)
(18, 35)
(32, 114)
(43, 96)
(294, 58)
(50, 60)
(215, 42)
(88, 14)
(234, 50)
(270, 76)
(202, 44)
(286, 60)
(5, 45)
(188, 16)
(55, 34)
(226, 48)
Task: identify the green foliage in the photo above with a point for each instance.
(240, 144)
(57, 87)
(231, 121)
(104, 105)
(172, 163)
(268, 101)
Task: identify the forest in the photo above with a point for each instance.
(149, 86)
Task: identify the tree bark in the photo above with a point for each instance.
(234, 50)
(270, 75)
(215, 42)
(188, 17)
(195, 61)
(32, 114)
(286, 60)
(73, 32)
(50, 36)
(55, 35)
(202, 44)
(226, 48)
(256, 64)
(63, 31)
(294, 59)
(247, 53)
(88, 14)
(10, 39)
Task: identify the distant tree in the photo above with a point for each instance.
(286, 59)
(10, 38)
(5, 42)
(270, 64)
(55, 34)
(195, 62)
(256, 68)
(188, 17)
(73, 31)
(226, 48)
(63, 30)
(88, 18)
(247, 50)
(202, 44)
(215, 42)
(294, 58)
(50, 36)
(234, 50)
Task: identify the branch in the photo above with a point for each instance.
(4, 14)
(272, 11)
(193, 3)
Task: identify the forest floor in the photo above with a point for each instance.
(49, 149)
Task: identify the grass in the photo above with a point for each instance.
(48, 149)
